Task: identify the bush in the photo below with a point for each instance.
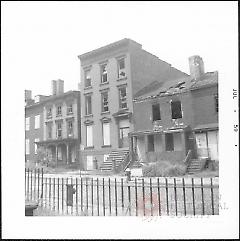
(164, 169)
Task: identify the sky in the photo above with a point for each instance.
(41, 40)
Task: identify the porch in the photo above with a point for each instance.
(152, 146)
(62, 152)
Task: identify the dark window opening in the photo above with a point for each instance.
(176, 109)
(169, 142)
(216, 102)
(105, 102)
(156, 112)
(150, 143)
(88, 102)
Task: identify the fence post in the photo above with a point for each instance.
(151, 196)
(143, 191)
(103, 197)
(175, 194)
(76, 196)
(97, 197)
(109, 194)
(203, 209)
(193, 196)
(212, 199)
(159, 201)
(166, 182)
(122, 195)
(92, 197)
(184, 197)
(136, 198)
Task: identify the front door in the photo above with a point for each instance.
(123, 133)
(201, 141)
(123, 137)
(213, 144)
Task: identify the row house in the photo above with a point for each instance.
(33, 125)
(110, 78)
(60, 126)
(176, 116)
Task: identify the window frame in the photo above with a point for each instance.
(123, 69)
(27, 146)
(59, 113)
(59, 129)
(174, 114)
(216, 103)
(166, 142)
(68, 128)
(109, 125)
(159, 110)
(86, 80)
(70, 106)
(89, 96)
(104, 73)
(121, 102)
(35, 145)
(102, 101)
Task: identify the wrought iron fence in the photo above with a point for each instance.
(118, 197)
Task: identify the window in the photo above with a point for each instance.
(70, 109)
(106, 134)
(104, 78)
(27, 149)
(89, 136)
(49, 113)
(87, 78)
(150, 142)
(88, 103)
(216, 102)
(121, 68)
(122, 97)
(27, 124)
(105, 101)
(70, 128)
(37, 121)
(176, 109)
(89, 163)
(156, 112)
(49, 131)
(59, 110)
(36, 140)
(169, 142)
(59, 130)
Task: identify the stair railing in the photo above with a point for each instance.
(188, 158)
(124, 164)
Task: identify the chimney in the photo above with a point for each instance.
(54, 87)
(60, 86)
(196, 66)
(28, 95)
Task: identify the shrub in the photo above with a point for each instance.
(164, 169)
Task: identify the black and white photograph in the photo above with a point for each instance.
(120, 119)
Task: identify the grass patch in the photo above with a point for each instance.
(164, 169)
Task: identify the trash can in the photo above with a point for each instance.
(128, 174)
(30, 206)
(70, 191)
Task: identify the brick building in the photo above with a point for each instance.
(110, 78)
(176, 116)
(59, 139)
(33, 125)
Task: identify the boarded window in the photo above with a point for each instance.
(156, 112)
(169, 142)
(106, 134)
(27, 124)
(37, 121)
(176, 109)
(150, 143)
(89, 135)
(27, 147)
